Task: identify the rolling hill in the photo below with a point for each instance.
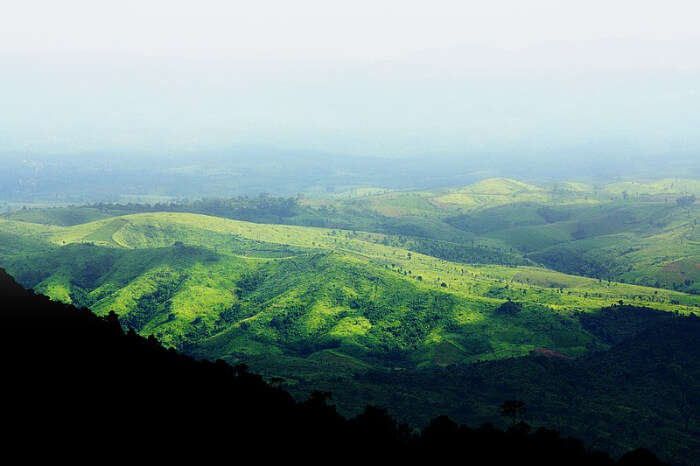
(411, 287)
(630, 231)
(235, 289)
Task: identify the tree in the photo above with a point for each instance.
(684, 388)
(515, 410)
(510, 307)
(686, 201)
(639, 457)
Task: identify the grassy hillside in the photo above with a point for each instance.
(61, 216)
(415, 281)
(631, 231)
(340, 310)
(236, 289)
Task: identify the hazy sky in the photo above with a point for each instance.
(358, 29)
(361, 77)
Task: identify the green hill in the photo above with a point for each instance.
(632, 231)
(342, 310)
(236, 289)
(110, 381)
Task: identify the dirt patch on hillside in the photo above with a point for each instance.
(548, 353)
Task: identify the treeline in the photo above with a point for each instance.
(262, 208)
(467, 253)
(78, 384)
(643, 390)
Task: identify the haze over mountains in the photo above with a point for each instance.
(250, 170)
(596, 108)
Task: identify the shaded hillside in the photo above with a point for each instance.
(78, 383)
(644, 390)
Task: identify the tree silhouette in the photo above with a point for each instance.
(515, 410)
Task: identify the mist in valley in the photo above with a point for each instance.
(319, 100)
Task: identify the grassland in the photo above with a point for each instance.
(630, 231)
(418, 279)
(236, 289)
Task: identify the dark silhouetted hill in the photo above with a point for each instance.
(78, 387)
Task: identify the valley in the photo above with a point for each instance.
(372, 289)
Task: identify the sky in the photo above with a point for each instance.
(388, 78)
(322, 29)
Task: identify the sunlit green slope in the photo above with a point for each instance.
(239, 290)
(631, 231)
